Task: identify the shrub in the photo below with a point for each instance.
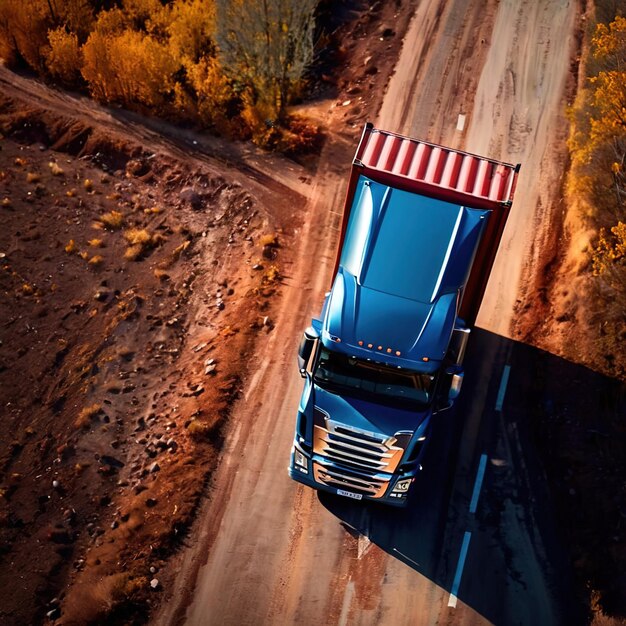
(64, 59)
(128, 67)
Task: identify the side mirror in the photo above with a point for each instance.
(305, 350)
(455, 383)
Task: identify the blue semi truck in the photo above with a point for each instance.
(420, 231)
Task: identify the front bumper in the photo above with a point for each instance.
(320, 466)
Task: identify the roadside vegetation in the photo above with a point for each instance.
(596, 186)
(230, 67)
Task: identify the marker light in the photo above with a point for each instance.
(425, 359)
(398, 353)
(360, 343)
(370, 345)
(388, 350)
(380, 347)
(335, 339)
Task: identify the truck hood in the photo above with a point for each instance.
(398, 325)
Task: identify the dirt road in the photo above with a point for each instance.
(266, 551)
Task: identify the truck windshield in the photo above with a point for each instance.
(408, 388)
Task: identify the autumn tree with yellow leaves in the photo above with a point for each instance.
(229, 66)
(597, 180)
(607, 137)
(266, 46)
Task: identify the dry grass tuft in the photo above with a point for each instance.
(134, 252)
(88, 185)
(6, 202)
(140, 241)
(94, 602)
(27, 289)
(198, 430)
(96, 243)
(70, 193)
(161, 274)
(86, 415)
(272, 274)
(71, 247)
(138, 236)
(32, 177)
(270, 240)
(155, 210)
(113, 220)
(56, 169)
(96, 260)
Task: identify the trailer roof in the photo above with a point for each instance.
(430, 169)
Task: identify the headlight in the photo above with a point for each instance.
(402, 486)
(300, 459)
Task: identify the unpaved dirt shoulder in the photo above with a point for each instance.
(133, 285)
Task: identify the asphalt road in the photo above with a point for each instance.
(477, 543)
(478, 532)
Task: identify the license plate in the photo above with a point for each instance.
(349, 494)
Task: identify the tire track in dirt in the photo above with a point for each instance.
(425, 81)
(521, 96)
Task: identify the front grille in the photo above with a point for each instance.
(355, 459)
(358, 449)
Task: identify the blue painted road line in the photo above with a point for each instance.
(459, 570)
(503, 383)
(480, 474)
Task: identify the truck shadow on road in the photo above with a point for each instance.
(555, 456)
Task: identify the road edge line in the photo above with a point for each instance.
(478, 483)
(459, 570)
(504, 381)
